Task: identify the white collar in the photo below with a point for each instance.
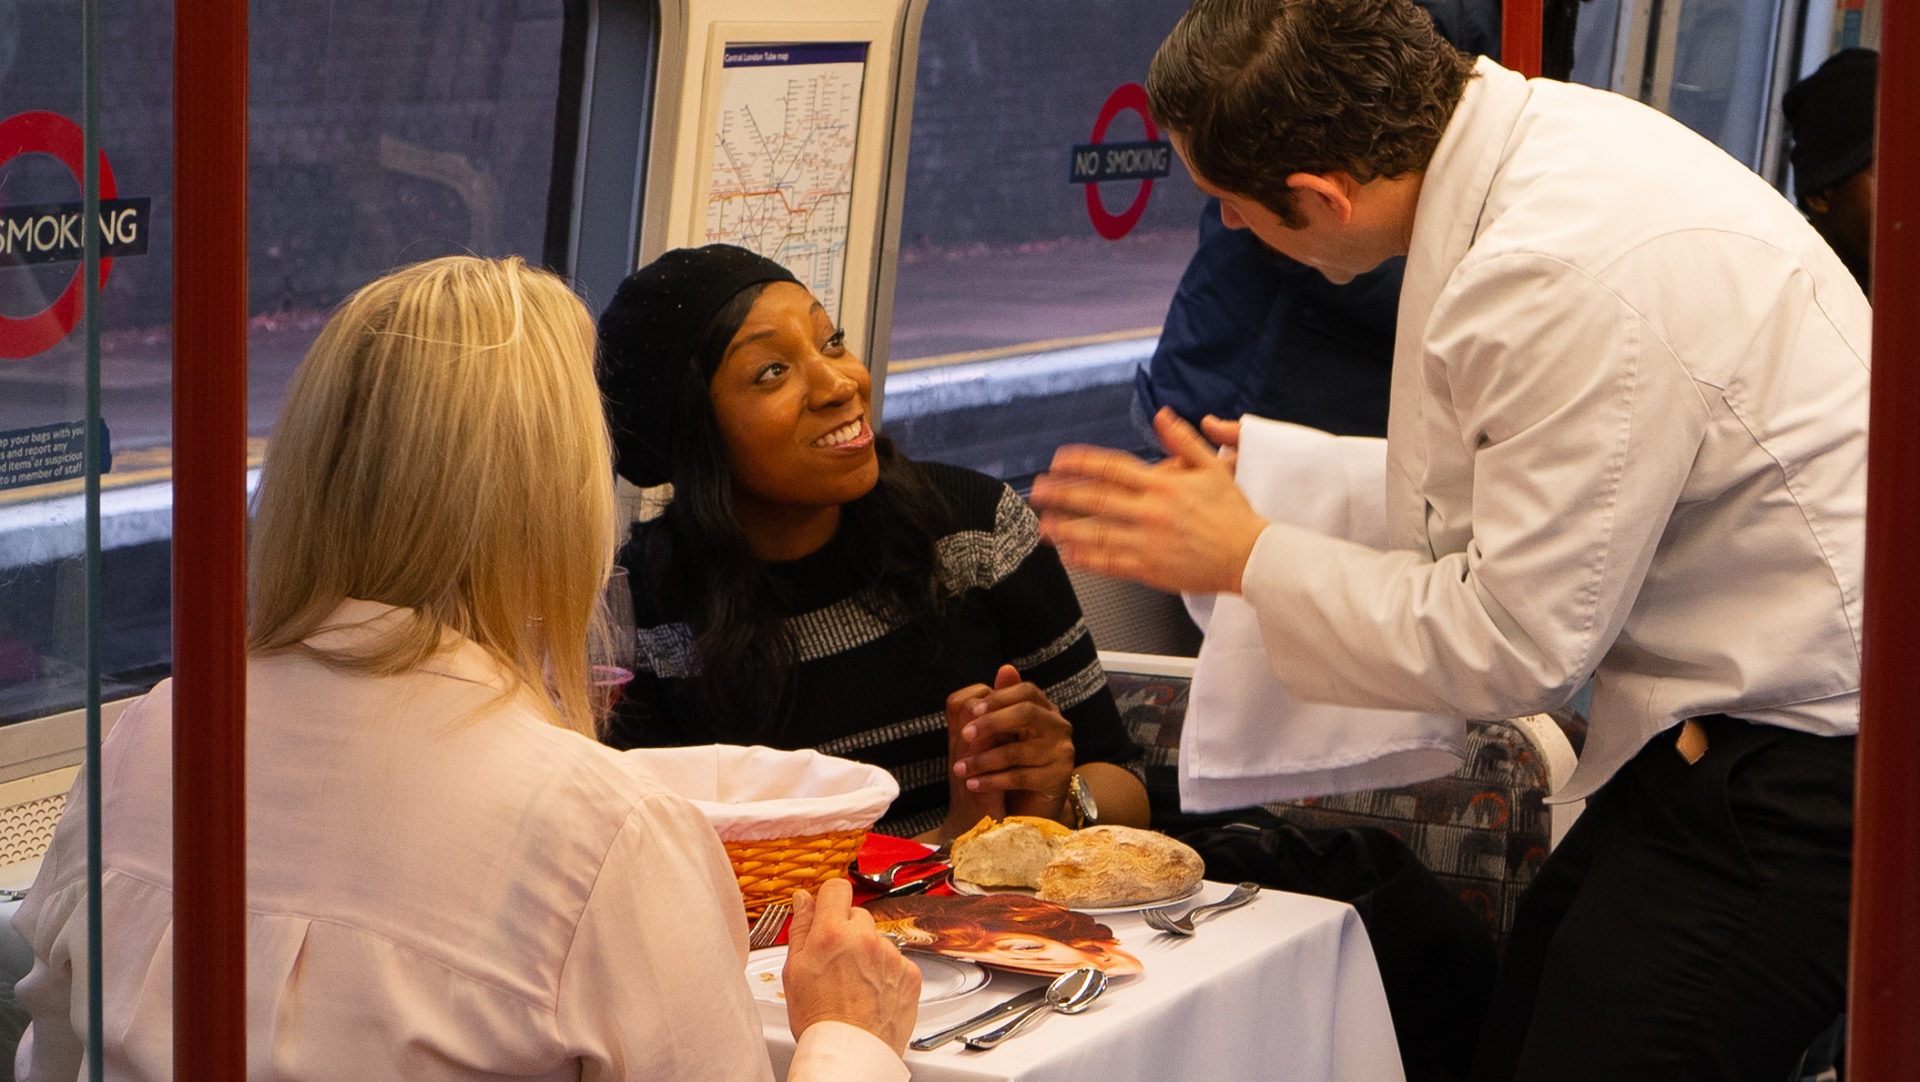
(1453, 192)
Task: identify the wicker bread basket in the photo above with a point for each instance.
(790, 820)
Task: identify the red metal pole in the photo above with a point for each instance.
(1884, 1001)
(1522, 28)
(209, 532)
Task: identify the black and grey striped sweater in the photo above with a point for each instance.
(876, 690)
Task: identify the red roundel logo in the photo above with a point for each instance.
(1114, 226)
(49, 133)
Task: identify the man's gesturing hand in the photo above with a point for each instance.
(1179, 524)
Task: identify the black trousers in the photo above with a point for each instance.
(1691, 925)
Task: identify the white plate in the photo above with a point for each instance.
(941, 978)
(961, 886)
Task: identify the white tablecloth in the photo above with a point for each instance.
(1283, 988)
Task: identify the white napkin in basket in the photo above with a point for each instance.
(1246, 740)
(755, 793)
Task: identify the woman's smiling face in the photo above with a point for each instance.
(791, 402)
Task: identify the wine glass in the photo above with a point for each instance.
(612, 656)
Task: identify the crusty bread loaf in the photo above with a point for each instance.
(1008, 852)
(1091, 868)
(1112, 865)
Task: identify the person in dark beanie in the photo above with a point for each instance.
(1830, 117)
(810, 587)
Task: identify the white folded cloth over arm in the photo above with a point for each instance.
(1246, 739)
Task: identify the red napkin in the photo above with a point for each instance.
(881, 851)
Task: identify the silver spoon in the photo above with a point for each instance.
(1070, 993)
(889, 878)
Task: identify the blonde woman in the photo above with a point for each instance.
(448, 878)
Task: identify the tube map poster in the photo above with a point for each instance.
(782, 177)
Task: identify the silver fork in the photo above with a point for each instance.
(766, 931)
(1163, 919)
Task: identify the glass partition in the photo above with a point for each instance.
(43, 352)
(381, 134)
(52, 444)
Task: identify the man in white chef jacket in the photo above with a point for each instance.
(1627, 442)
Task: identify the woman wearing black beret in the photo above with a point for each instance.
(808, 586)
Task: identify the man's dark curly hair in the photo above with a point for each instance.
(1261, 89)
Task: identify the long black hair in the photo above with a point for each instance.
(700, 567)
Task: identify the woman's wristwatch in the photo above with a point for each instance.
(1080, 806)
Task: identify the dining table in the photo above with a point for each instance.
(1284, 987)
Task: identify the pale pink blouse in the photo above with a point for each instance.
(440, 886)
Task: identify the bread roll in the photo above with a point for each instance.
(1007, 853)
(1088, 869)
(1111, 865)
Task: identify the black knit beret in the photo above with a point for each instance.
(1831, 113)
(647, 341)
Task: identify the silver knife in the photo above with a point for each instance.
(934, 1040)
(915, 886)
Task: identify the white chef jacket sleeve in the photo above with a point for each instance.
(1583, 426)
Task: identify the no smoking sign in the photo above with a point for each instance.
(53, 232)
(1098, 161)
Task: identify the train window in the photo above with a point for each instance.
(381, 134)
(1016, 324)
(1723, 64)
(1717, 66)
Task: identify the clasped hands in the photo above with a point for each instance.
(1179, 524)
(1010, 751)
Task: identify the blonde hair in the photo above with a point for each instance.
(442, 448)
